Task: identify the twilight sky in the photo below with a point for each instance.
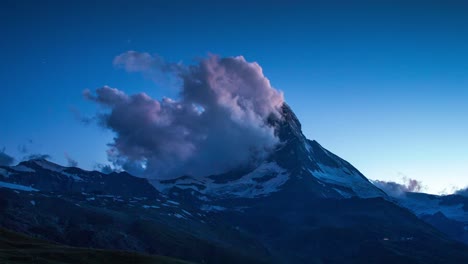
(384, 86)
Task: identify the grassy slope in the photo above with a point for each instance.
(17, 248)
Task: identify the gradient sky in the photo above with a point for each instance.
(385, 86)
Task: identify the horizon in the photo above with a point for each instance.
(387, 92)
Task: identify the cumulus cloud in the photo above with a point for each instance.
(218, 122)
(70, 162)
(5, 159)
(397, 189)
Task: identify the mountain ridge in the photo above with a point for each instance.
(302, 204)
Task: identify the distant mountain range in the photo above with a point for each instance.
(448, 213)
(303, 204)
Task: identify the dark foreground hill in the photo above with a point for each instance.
(17, 248)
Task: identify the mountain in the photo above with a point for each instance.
(16, 248)
(49, 177)
(447, 213)
(302, 204)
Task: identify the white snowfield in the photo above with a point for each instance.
(248, 186)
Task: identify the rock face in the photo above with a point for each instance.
(303, 204)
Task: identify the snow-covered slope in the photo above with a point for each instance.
(334, 171)
(263, 180)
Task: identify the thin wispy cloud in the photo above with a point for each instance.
(70, 161)
(397, 189)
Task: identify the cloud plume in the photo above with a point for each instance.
(218, 122)
(397, 189)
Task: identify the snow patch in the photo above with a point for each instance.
(308, 147)
(248, 186)
(343, 193)
(181, 183)
(150, 206)
(211, 208)
(203, 198)
(172, 202)
(17, 187)
(350, 179)
(22, 168)
(179, 216)
(4, 173)
(49, 165)
(73, 176)
(186, 212)
(107, 196)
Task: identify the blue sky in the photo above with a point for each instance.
(383, 85)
